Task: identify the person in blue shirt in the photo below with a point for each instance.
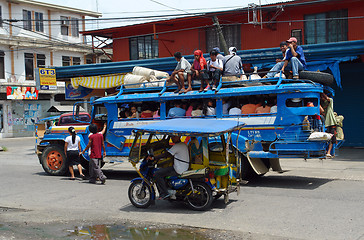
(294, 60)
(177, 110)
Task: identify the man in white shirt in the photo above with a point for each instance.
(181, 162)
(214, 68)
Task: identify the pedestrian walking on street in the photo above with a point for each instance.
(96, 143)
(72, 148)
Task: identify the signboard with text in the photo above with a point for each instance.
(46, 78)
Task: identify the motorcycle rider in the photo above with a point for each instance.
(181, 160)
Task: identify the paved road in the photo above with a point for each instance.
(314, 199)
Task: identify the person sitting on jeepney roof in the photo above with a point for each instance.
(294, 60)
(199, 70)
(214, 68)
(283, 46)
(219, 55)
(233, 66)
(181, 73)
(177, 110)
(181, 162)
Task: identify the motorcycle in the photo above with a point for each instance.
(191, 187)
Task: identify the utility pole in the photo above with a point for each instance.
(221, 35)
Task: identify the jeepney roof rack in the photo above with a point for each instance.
(143, 87)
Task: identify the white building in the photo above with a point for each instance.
(35, 34)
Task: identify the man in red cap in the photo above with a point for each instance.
(294, 60)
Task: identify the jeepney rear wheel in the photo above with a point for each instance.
(54, 160)
(247, 171)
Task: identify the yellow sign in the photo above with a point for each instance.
(47, 77)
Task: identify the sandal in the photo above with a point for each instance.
(83, 176)
(72, 178)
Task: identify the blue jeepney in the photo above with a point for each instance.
(266, 138)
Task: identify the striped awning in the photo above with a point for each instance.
(99, 82)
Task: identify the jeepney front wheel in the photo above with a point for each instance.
(54, 161)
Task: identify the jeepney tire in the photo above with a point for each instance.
(143, 199)
(247, 171)
(318, 77)
(201, 200)
(54, 161)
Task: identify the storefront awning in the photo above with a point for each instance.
(99, 82)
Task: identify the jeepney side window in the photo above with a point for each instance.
(137, 110)
(302, 102)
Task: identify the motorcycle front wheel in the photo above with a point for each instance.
(200, 198)
(140, 194)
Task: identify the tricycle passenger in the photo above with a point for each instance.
(181, 161)
(214, 68)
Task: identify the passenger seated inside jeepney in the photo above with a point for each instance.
(209, 108)
(134, 112)
(196, 109)
(181, 162)
(234, 109)
(264, 108)
(146, 111)
(177, 110)
(251, 106)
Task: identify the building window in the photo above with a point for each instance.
(76, 61)
(64, 25)
(326, 27)
(29, 66)
(144, 47)
(297, 33)
(27, 20)
(66, 61)
(231, 33)
(41, 60)
(2, 65)
(39, 22)
(75, 27)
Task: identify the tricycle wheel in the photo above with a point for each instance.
(201, 198)
(140, 194)
(54, 160)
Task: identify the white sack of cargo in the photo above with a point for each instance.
(136, 80)
(147, 72)
(150, 84)
(142, 71)
(320, 136)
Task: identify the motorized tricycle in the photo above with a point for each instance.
(214, 166)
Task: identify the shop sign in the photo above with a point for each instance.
(46, 78)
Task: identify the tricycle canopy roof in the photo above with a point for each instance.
(192, 127)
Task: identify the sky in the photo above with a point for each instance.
(142, 8)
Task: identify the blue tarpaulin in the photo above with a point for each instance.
(187, 127)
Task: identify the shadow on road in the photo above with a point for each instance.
(164, 206)
(289, 182)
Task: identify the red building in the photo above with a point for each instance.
(310, 21)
